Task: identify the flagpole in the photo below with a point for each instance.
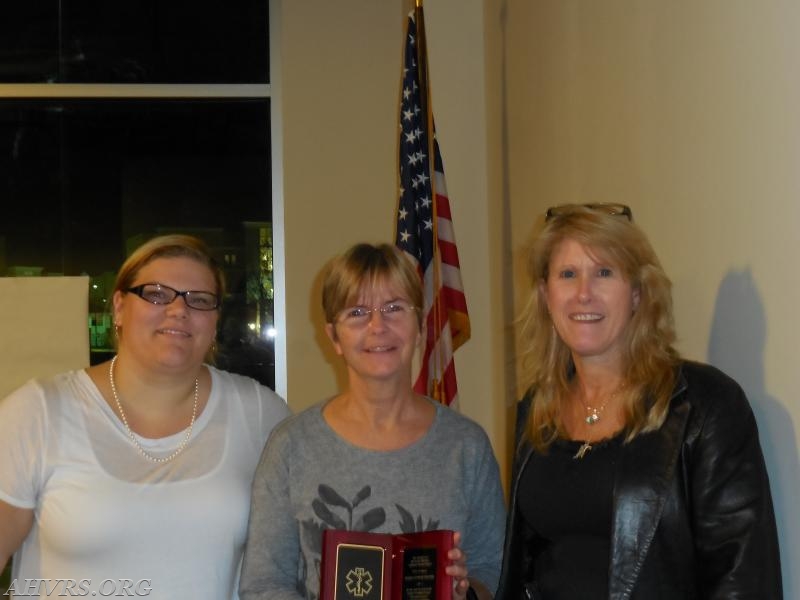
(422, 65)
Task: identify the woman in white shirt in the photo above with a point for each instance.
(134, 475)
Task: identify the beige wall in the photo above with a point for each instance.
(340, 85)
(687, 111)
(339, 92)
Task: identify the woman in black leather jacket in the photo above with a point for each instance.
(637, 475)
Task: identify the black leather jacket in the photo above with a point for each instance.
(693, 515)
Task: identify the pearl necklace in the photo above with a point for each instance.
(132, 436)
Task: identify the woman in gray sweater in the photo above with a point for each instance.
(376, 457)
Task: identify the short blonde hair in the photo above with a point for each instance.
(169, 246)
(649, 358)
(363, 267)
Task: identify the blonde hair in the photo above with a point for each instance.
(649, 359)
(363, 267)
(169, 246)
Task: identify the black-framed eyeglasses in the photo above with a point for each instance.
(615, 210)
(158, 293)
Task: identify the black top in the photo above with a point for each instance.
(692, 514)
(567, 502)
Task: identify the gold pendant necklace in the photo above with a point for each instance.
(592, 417)
(593, 413)
(132, 435)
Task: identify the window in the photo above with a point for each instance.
(122, 122)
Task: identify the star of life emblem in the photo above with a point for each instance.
(359, 582)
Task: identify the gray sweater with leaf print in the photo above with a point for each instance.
(310, 479)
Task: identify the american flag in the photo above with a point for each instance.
(424, 227)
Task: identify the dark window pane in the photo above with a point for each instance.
(89, 180)
(165, 42)
(147, 41)
(29, 41)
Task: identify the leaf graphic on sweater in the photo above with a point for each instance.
(332, 497)
(365, 493)
(324, 513)
(406, 520)
(410, 525)
(370, 520)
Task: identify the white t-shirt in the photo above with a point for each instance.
(105, 517)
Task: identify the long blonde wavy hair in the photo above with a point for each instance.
(649, 359)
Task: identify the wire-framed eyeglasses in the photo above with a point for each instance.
(158, 293)
(391, 312)
(616, 210)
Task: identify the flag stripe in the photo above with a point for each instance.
(449, 253)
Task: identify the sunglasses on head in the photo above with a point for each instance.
(616, 210)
